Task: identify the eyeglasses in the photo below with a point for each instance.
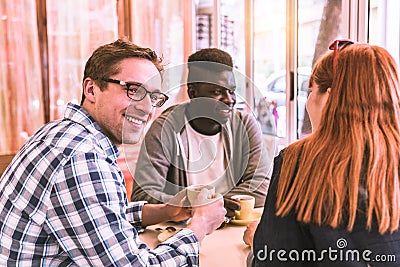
(336, 46)
(137, 92)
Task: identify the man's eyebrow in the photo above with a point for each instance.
(135, 83)
(143, 85)
(230, 88)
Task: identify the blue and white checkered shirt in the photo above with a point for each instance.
(63, 203)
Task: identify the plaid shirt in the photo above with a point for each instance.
(63, 203)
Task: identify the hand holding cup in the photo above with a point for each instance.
(193, 192)
(208, 213)
(177, 207)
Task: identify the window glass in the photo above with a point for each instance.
(318, 23)
(231, 35)
(232, 40)
(384, 25)
(270, 63)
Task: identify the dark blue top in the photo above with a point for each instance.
(284, 241)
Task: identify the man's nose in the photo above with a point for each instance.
(228, 98)
(145, 104)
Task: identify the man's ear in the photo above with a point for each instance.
(328, 90)
(89, 89)
(191, 91)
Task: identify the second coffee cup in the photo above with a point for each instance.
(246, 207)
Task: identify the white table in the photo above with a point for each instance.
(223, 247)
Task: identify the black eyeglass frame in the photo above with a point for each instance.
(336, 46)
(154, 102)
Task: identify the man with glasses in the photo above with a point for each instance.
(63, 197)
(204, 141)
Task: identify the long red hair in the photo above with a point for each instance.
(351, 162)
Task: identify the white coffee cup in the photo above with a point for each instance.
(193, 191)
(247, 203)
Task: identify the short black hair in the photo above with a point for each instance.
(212, 55)
(207, 59)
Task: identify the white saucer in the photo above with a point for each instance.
(256, 216)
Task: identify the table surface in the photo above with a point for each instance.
(223, 247)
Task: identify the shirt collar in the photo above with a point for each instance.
(79, 115)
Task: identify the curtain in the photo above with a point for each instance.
(75, 29)
(21, 101)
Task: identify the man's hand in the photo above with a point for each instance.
(231, 205)
(178, 213)
(208, 214)
(177, 207)
(175, 210)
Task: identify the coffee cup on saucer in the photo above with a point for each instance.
(247, 203)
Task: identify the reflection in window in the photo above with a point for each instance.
(203, 31)
(270, 62)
